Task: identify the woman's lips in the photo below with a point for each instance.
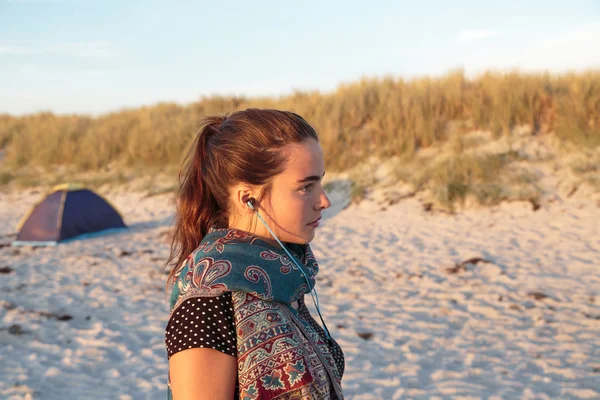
(315, 222)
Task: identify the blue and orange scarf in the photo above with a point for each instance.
(279, 353)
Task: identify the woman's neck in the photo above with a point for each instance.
(269, 240)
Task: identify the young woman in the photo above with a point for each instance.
(249, 204)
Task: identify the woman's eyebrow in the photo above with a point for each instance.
(310, 178)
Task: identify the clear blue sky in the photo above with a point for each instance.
(95, 56)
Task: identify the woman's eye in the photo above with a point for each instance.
(307, 188)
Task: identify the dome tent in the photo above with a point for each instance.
(67, 212)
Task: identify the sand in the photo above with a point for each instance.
(502, 302)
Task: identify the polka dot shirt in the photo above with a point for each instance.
(210, 322)
(202, 322)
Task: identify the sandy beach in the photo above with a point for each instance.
(495, 303)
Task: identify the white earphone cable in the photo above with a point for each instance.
(298, 265)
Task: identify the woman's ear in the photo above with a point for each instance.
(242, 195)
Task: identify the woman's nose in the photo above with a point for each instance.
(324, 201)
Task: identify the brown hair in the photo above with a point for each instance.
(244, 147)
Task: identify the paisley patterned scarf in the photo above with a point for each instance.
(279, 353)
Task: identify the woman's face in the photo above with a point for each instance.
(297, 197)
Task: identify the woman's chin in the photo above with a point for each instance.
(304, 239)
(309, 237)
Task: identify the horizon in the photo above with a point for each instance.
(75, 57)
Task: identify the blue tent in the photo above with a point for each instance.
(67, 212)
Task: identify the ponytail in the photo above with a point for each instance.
(197, 208)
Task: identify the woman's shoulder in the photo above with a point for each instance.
(213, 300)
(207, 271)
(202, 322)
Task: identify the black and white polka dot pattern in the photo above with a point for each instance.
(202, 322)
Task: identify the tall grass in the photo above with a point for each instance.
(371, 117)
(488, 178)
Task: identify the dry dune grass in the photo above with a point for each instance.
(385, 118)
